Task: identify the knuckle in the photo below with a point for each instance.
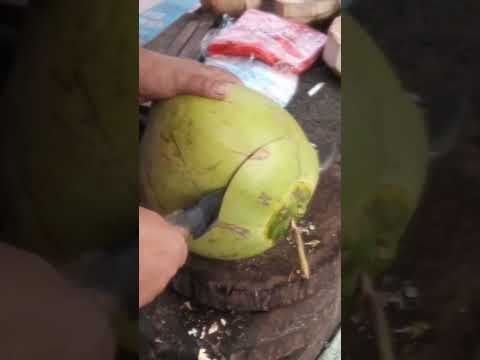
(205, 83)
(201, 83)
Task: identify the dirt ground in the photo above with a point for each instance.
(433, 289)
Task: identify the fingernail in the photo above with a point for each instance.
(221, 90)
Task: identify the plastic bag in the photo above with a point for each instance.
(278, 86)
(285, 45)
(227, 21)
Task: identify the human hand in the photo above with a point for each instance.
(162, 76)
(162, 251)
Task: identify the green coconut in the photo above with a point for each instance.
(246, 144)
(384, 159)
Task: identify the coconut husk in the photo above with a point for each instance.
(332, 54)
(230, 7)
(305, 11)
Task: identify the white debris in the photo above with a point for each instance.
(223, 322)
(411, 292)
(204, 332)
(188, 305)
(315, 89)
(193, 332)
(314, 145)
(311, 227)
(303, 230)
(313, 243)
(213, 328)
(202, 355)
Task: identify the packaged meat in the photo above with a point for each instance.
(283, 44)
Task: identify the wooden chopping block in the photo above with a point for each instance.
(183, 38)
(332, 53)
(305, 11)
(182, 329)
(273, 279)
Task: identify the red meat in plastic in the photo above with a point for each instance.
(276, 41)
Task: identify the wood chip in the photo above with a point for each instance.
(202, 355)
(314, 90)
(313, 243)
(204, 332)
(188, 305)
(213, 329)
(193, 332)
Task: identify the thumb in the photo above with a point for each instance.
(206, 87)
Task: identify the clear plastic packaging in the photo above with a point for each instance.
(278, 86)
(227, 21)
(287, 46)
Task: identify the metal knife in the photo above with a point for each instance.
(198, 219)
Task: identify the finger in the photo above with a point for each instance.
(185, 234)
(222, 75)
(206, 86)
(178, 247)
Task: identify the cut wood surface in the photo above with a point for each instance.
(183, 38)
(182, 328)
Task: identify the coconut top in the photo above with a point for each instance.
(203, 142)
(247, 144)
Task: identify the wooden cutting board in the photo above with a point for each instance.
(183, 38)
(181, 328)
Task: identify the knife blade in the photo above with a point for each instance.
(199, 218)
